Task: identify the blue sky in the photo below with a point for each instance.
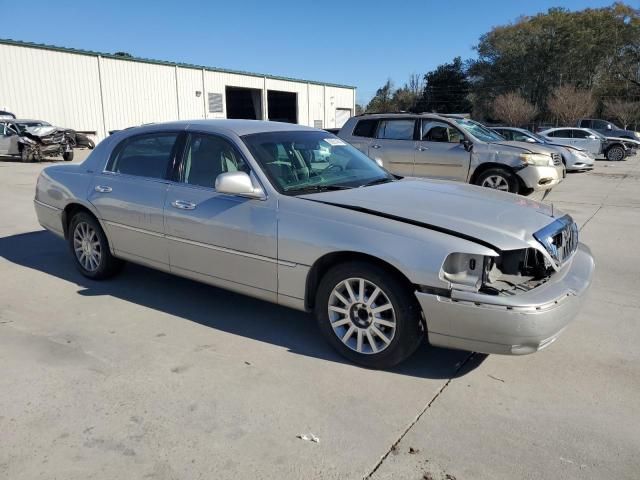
(359, 43)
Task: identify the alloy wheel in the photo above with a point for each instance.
(86, 246)
(496, 182)
(362, 316)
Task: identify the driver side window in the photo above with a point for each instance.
(206, 157)
(440, 132)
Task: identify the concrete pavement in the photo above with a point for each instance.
(152, 376)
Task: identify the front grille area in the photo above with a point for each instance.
(560, 239)
(55, 137)
(557, 159)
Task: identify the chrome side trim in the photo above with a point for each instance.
(46, 205)
(134, 229)
(284, 263)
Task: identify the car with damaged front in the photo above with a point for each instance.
(34, 140)
(452, 147)
(296, 216)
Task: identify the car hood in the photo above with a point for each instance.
(525, 147)
(503, 220)
(41, 131)
(626, 140)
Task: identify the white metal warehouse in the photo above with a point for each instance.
(96, 92)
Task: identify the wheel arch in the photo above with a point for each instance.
(322, 265)
(72, 209)
(483, 167)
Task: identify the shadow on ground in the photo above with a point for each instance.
(214, 307)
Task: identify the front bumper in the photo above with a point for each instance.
(513, 325)
(541, 178)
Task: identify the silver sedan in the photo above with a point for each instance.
(295, 216)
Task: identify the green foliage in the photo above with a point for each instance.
(592, 49)
(446, 89)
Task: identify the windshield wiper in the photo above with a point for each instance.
(318, 188)
(377, 181)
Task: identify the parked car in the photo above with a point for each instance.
(453, 148)
(574, 158)
(34, 140)
(590, 140)
(608, 129)
(82, 140)
(296, 216)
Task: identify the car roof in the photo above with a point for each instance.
(239, 127)
(374, 116)
(27, 120)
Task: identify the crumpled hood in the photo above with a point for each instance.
(41, 131)
(504, 220)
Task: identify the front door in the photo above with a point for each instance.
(222, 239)
(439, 153)
(8, 140)
(129, 196)
(586, 140)
(395, 145)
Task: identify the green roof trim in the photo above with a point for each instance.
(42, 46)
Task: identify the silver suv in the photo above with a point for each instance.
(453, 148)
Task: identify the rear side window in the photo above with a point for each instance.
(144, 156)
(365, 128)
(397, 129)
(561, 134)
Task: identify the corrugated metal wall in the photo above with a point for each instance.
(98, 94)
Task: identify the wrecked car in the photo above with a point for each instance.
(34, 140)
(451, 147)
(298, 217)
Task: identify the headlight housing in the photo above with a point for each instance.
(637, 134)
(466, 271)
(537, 159)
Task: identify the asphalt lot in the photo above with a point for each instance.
(153, 376)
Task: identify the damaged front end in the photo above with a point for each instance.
(514, 271)
(45, 141)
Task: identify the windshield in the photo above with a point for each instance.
(309, 161)
(478, 130)
(24, 125)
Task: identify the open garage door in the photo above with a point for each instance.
(283, 106)
(244, 103)
(342, 115)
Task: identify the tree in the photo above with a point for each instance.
(623, 111)
(568, 104)
(382, 101)
(446, 89)
(592, 49)
(359, 109)
(513, 109)
(123, 54)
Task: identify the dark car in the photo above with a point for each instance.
(608, 129)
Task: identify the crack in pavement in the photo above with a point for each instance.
(418, 417)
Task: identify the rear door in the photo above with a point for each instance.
(439, 153)
(222, 239)
(395, 145)
(129, 196)
(586, 140)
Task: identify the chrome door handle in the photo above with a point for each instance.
(376, 146)
(103, 189)
(183, 205)
(421, 149)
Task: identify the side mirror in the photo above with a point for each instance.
(467, 144)
(609, 127)
(592, 137)
(240, 184)
(530, 140)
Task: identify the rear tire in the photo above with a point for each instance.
(67, 156)
(380, 325)
(90, 248)
(615, 154)
(499, 179)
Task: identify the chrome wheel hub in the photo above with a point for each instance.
(86, 246)
(497, 182)
(362, 316)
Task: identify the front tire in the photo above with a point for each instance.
(67, 156)
(368, 314)
(498, 179)
(25, 155)
(90, 248)
(615, 153)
